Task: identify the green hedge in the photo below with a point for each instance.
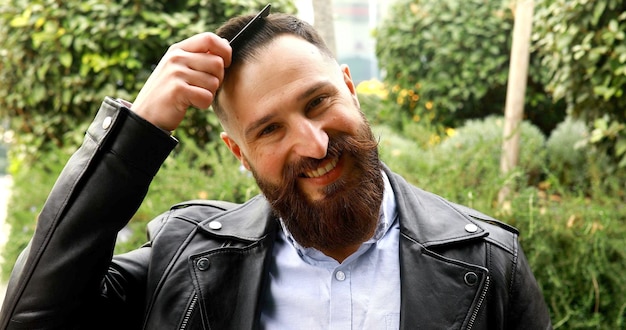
(59, 59)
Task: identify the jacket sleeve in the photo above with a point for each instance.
(63, 269)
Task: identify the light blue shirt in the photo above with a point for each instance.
(309, 290)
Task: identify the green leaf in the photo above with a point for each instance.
(620, 146)
(66, 59)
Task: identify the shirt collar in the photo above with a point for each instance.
(386, 218)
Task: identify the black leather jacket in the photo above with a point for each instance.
(460, 269)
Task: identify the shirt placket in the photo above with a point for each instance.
(341, 299)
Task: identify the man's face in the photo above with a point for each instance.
(294, 121)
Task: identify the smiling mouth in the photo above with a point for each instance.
(320, 171)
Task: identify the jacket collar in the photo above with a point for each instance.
(424, 217)
(247, 222)
(429, 219)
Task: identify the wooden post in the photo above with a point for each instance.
(516, 89)
(324, 22)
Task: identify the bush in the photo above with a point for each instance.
(4, 163)
(59, 59)
(472, 157)
(575, 247)
(567, 155)
(582, 49)
(447, 60)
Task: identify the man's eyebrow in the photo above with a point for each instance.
(249, 131)
(313, 89)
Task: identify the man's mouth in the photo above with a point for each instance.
(324, 168)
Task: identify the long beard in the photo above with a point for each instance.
(348, 212)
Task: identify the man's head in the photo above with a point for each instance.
(257, 38)
(292, 118)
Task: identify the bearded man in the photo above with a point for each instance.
(336, 240)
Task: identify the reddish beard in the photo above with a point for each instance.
(348, 212)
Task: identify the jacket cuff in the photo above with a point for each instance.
(136, 141)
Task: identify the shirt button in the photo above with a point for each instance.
(106, 123)
(340, 276)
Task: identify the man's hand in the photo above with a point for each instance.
(187, 75)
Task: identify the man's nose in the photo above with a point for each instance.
(310, 140)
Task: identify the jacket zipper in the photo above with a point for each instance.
(192, 306)
(483, 294)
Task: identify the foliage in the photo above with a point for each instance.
(575, 247)
(59, 59)
(447, 60)
(477, 147)
(575, 163)
(568, 153)
(582, 44)
(3, 158)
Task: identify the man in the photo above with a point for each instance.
(336, 240)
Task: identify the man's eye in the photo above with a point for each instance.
(268, 130)
(316, 102)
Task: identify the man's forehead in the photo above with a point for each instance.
(286, 54)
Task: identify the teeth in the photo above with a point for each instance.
(322, 170)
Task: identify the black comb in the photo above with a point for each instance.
(263, 13)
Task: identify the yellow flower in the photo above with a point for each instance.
(434, 140)
(372, 87)
(450, 132)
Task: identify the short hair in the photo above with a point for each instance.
(265, 30)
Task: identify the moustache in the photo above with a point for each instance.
(337, 146)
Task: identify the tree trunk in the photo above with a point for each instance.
(323, 22)
(516, 89)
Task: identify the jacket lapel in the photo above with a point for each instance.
(429, 277)
(230, 280)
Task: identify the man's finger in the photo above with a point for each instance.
(207, 42)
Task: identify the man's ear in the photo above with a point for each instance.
(234, 148)
(347, 78)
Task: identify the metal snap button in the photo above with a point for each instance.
(471, 228)
(203, 264)
(106, 123)
(216, 225)
(471, 278)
